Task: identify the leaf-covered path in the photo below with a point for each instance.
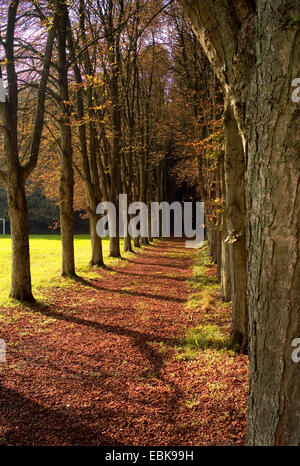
(99, 364)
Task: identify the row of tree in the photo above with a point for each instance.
(80, 72)
(105, 85)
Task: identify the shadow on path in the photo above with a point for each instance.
(50, 426)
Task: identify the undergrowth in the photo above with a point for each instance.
(205, 308)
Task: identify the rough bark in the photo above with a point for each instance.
(18, 217)
(236, 217)
(225, 289)
(273, 198)
(96, 242)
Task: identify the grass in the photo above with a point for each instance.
(208, 336)
(204, 287)
(205, 306)
(45, 254)
(204, 341)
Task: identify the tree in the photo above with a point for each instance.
(216, 182)
(66, 188)
(196, 113)
(15, 173)
(254, 48)
(89, 172)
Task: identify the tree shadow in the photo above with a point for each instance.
(142, 341)
(158, 276)
(139, 339)
(91, 284)
(150, 264)
(32, 424)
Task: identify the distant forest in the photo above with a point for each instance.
(43, 214)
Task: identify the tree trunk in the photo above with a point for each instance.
(89, 165)
(219, 254)
(96, 241)
(136, 242)
(225, 291)
(127, 244)
(273, 198)
(66, 188)
(144, 240)
(114, 247)
(127, 239)
(67, 217)
(218, 222)
(213, 242)
(150, 239)
(236, 217)
(114, 241)
(18, 217)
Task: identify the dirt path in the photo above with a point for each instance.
(98, 365)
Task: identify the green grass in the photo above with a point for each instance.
(199, 278)
(201, 340)
(45, 255)
(204, 296)
(204, 287)
(208, 336)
